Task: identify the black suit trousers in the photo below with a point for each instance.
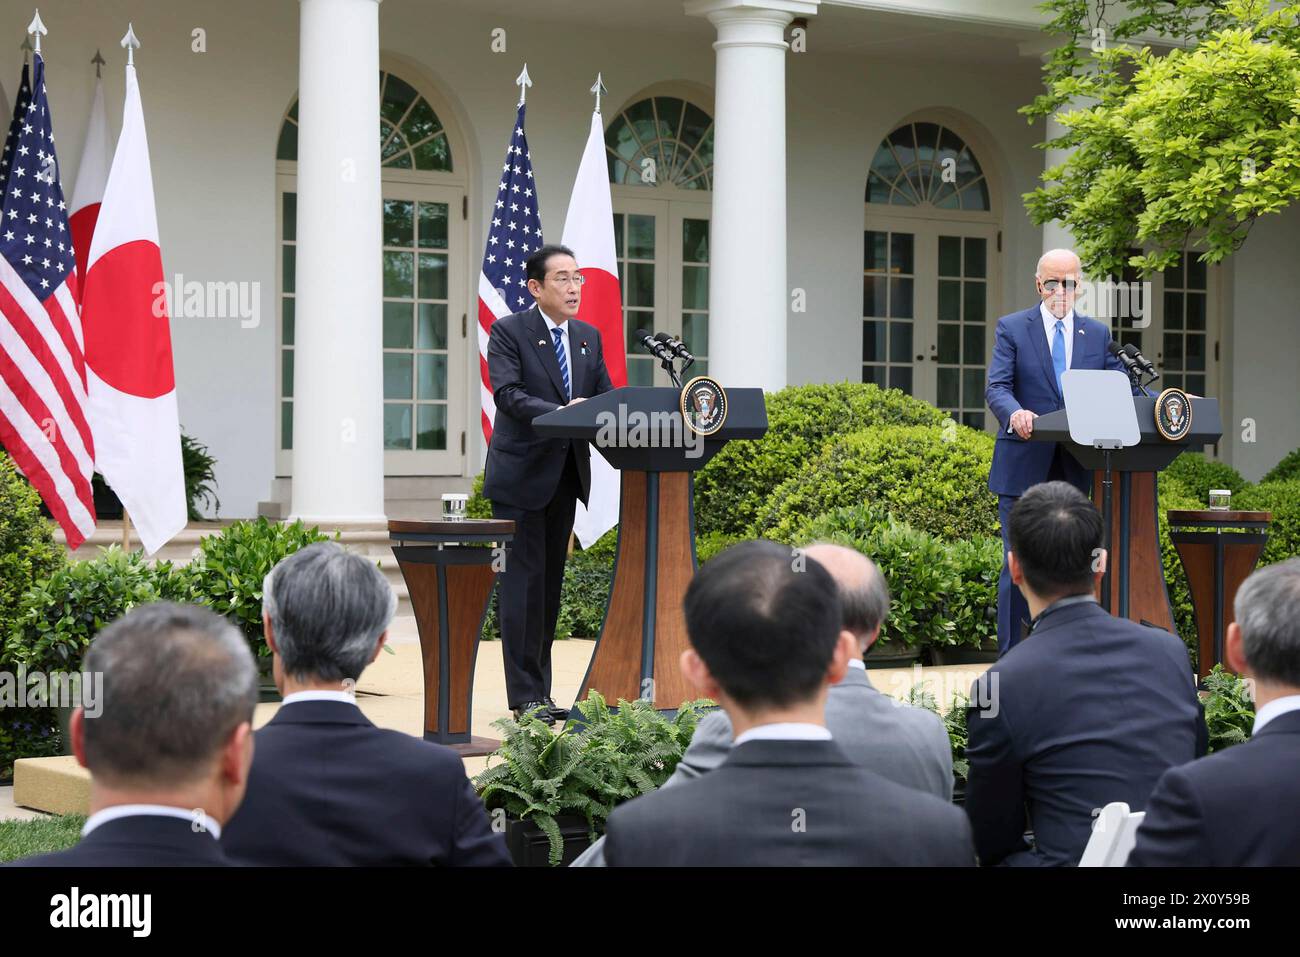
(528, 590)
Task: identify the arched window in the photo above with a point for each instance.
(929, 269)
(661, 140)
(410, 134)
(926, 163)
(424, 242)
(660, 151)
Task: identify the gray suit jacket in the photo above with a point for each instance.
(907, 745)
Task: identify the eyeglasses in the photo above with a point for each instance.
(1051, 284)
(564, 279)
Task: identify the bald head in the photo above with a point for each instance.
(1059, 272)
(864, 594)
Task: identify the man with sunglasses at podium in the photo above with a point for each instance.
(1031, 350)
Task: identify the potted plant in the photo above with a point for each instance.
(200, 479)
(1229, 710)
(553, 792)
(954, 722)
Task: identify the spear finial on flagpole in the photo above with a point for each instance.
(523, 81)
(131, 43)
(99, 61)
(598, 88)
(38, 29)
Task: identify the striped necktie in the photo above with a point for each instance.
(563, 360)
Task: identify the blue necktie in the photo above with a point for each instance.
(1058, 354)
(564, 362)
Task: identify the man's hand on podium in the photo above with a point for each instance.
(576, 401)
(1022, 422)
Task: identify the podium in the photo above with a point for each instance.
(450, 575)
(640, 431)
(1137, 585)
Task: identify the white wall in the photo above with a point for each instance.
(1261, 351)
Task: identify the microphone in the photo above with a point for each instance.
(1130, 365)
(676, 346)
(1141, 361)
(654, 346)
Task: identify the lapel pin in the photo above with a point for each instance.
(541, 342)
(584, 347)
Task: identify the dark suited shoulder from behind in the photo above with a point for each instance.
(722, 818)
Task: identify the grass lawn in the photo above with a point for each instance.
(25, 838)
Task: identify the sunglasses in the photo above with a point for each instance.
(1051, 284)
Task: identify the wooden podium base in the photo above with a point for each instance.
(644, 633)
(1135, 548)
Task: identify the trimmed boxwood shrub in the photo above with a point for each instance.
(227, 573)
(934, 479)
(1283, 500)
(28, 551)
(1288, 468)
(59, 617)
(1198, 475)
(732, 487)
(942, 593)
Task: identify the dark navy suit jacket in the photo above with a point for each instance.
(1237, 807)
(145, 840)
(1021, 377)
(329, 788)
(522, 468)
(1087, 710)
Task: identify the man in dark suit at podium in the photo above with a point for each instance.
(1031, 350)
(539, 360)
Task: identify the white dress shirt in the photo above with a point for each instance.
(858, 663)
(346, 697)
(1276, 707)
(784, 731)
(1049, 326)
(198, 820)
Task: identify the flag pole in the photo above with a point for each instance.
(37, 29)
(523, 81)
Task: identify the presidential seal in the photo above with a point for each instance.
(704, 405)
(1174, 414)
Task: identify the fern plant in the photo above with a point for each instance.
(1229, 711)
(954, 722)
(614, 756)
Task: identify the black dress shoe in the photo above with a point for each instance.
(558, 713)
(535, 709)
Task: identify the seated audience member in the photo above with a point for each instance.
(905, 744)
(1089, 709)
(170, 750)
(766, 643)
(1241, 806)
(328, 787)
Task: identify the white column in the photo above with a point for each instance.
(748, 298)
(338, 455)
(1055, 235)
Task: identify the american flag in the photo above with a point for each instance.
(515, 231)
(42, 368)
(20, 110)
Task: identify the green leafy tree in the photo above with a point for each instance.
(1184, 149)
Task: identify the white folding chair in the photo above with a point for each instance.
(1114, 832)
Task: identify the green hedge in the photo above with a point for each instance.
(730, 489)
(941, 592)
(1176, 496)
(1198, 475)
(28, 551)
(1283, 500)
(934, 479)
(1288, 468)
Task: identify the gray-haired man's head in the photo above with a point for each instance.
(326, 609)
(178, 683)
(864, 593)
(1267, 630)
